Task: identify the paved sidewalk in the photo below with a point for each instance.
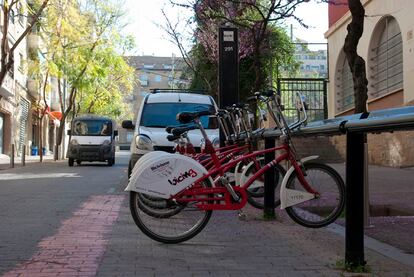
(5, 162)
(391, 196)
(230, 247)
(255, 247)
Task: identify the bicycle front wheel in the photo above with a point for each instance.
(174, 228)
(328, 206)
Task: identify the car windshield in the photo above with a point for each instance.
(161, 115)
(92, 128)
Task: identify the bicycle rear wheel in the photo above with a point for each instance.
(174, 228)
(158, 207)
(325, 209)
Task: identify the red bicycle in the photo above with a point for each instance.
(312, 193)
(239, 140)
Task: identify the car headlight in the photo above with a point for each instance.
(74, 142)
(216, 143)
(144, 143)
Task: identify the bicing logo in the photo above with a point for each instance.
(176, 180)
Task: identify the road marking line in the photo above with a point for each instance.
(24, 176)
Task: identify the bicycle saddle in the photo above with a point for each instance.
(172, 137)
(178, 131)
(169, 129)
(187, 117)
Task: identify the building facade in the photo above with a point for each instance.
(312, 63)
(21, 103)
(152, 73)
(15, 101)
(387, 47)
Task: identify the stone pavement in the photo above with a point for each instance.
(391, 194)
(232, 247)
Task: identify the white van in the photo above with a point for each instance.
(158, 110)
(92, 139)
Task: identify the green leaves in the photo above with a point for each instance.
(83, 46)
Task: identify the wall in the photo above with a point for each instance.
(391, 149)
(375, 9)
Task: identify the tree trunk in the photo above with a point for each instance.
(40, 151)
(355, 62)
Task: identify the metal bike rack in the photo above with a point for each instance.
(355, 127)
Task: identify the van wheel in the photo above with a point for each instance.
(71, 161)
(111, 161)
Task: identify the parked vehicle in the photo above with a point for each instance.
(92, 139)
(158, 110)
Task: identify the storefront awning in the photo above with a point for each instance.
(55, 115)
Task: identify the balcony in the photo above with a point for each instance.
(33, 88)
(33, 41)
(7, 88)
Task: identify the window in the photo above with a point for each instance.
(91, 128)
(386, 58)
(143, 79)
(161, 115)
(21, 13)
(345, 86)
(21, 63)
(12, 15)
(129, 136)
(157, 78)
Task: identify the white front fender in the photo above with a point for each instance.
(290, 197)
(244, 177)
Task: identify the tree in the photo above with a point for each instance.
(82, 41)
(257, 21)
(261, 40)
(357, 63)
(9, 8)
(104, 92)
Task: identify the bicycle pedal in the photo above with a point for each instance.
(242, 215)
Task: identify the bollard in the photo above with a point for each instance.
(366, 186)
(269, 184)
(354, 225)
(24, 155)
(12, 156)
(55, 152)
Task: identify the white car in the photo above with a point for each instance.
(158, 110)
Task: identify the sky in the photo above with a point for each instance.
(144, 15)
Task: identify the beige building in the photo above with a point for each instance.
(20, 94)
(152, 73)
(387, 46)
(15, 101)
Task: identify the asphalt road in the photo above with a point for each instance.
(36, 199)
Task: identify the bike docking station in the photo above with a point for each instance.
(355, 127)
